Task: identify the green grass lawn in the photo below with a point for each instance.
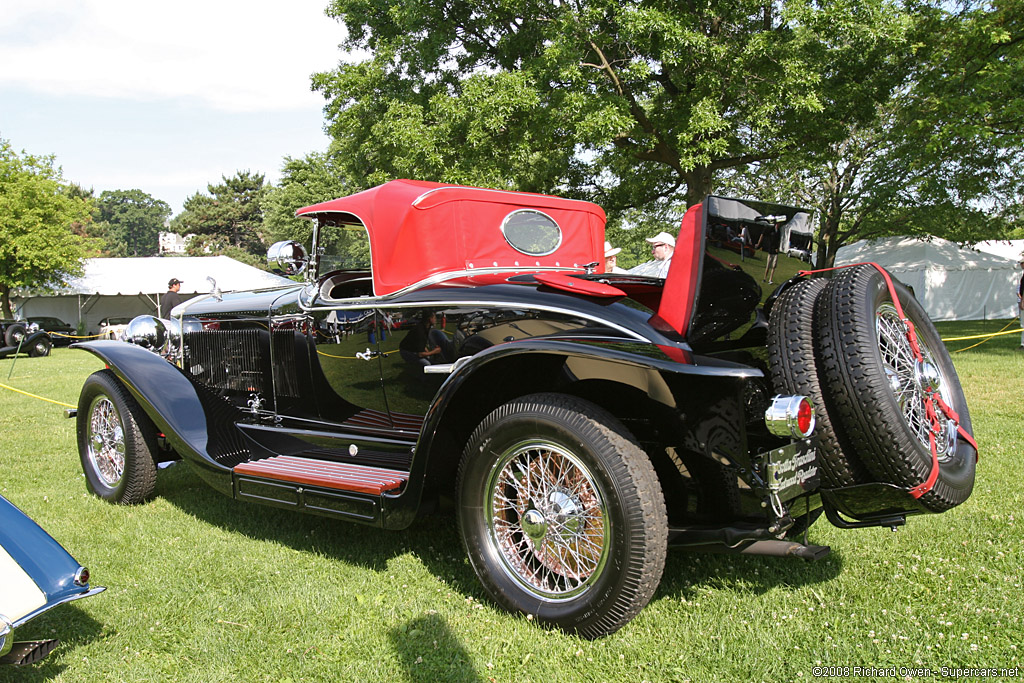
(203, 588)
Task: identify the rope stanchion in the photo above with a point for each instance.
(41, 398)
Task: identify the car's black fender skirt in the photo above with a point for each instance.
(638, 364)
(175, 406)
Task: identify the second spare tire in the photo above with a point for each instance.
(877, 384)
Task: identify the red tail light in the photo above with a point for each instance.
(790, 416)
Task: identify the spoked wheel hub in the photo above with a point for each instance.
(913, 380)
(548, 522)
(106, 441)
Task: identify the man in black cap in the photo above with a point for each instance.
(171, 298)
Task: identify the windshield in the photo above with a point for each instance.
(343, 247)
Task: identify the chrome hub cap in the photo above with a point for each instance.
(105, 438)
(912, 380)
(547, 520)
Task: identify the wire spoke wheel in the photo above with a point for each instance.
(911, 380)
(116, 441)
(548, 520)
(887, 398)
(562, 513)
(106, 441)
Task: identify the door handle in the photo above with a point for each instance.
(368, 354)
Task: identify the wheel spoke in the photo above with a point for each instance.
(548, 521)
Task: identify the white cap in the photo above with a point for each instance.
(609, 251)
(663, 238)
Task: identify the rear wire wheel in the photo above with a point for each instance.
(562, 514)
(794, 370)
(878, 386)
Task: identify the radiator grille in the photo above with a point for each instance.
(227, 360)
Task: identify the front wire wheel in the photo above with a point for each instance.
(562, 514)
(116, 441)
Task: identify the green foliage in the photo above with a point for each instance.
(232, 211)
(37, 245)
(944, 155)
(625, 103)
(310, 180)
(132, 220)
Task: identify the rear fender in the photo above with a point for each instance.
(610, 362)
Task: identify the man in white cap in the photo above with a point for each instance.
(610, 257)
(662, 246)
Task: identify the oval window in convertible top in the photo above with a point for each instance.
(531, 232)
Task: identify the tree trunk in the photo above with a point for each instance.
(699, 182)
(5, 300)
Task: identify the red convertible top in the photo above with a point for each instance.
(419, 229)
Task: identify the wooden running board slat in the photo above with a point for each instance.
(325, 474)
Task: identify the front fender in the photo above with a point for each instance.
(166, 395)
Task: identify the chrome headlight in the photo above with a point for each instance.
(147, 331)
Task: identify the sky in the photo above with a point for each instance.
(164, 97)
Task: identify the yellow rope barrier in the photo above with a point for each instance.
(75, 336)
(41, 398)
(983, 336)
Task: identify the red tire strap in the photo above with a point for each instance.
(931, 399)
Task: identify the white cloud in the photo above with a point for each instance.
(234, 55)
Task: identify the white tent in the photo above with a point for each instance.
(127, 287)
(951, 283)
(1011, 249)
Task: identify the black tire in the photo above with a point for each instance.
(40, 347)
(14, 333)
(116, 441)
(512, 505)
(877, 387)
(794, 370)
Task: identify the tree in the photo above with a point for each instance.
(310, 180)
(942, 157)
(37, 246)
(623, 102)
(133, 220)
(233, 212)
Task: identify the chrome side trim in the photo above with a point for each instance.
(431, 191)
(382, 302)
(50, 605)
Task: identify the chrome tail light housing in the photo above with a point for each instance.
(790, 416)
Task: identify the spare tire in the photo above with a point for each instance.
(794, 370)
(877, 386)
(14, 333)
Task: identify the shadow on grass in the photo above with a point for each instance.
(433, 538)
(71, 625)
(435, 541)
(688, 571)
(429, 651)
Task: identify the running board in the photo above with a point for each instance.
(323, 487)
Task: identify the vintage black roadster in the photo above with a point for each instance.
(458, 343)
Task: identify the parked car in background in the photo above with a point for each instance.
(60, 332)
(113, 327)
(22, 336)
(582, 421)
(36, 575)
